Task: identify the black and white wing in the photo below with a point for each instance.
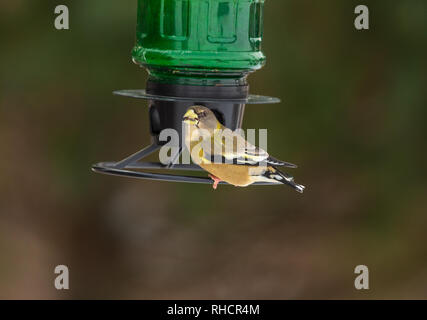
(231, 147)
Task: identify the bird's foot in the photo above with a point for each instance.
(216, 181)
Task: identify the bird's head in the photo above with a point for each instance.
(201, 117)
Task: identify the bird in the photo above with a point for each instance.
(227, 156)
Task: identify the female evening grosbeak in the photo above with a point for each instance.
(227, 156)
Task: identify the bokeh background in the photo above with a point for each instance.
(353, 116)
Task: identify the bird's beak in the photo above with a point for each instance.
(190, 117)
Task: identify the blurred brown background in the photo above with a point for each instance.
(353, 117)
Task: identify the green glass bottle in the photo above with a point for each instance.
(199, 42)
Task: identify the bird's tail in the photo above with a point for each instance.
(283, 177)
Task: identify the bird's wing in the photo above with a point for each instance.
(230, 147)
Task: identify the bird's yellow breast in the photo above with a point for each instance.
(237, 175)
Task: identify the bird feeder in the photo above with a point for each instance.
(196, 52)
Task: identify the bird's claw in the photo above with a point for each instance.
(216, 181)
